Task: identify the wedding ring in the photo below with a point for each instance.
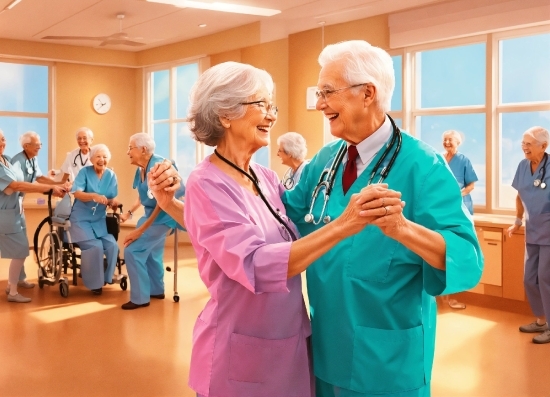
(386, 208)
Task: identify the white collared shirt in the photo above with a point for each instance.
(369, 147)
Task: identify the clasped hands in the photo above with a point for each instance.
(375, 205)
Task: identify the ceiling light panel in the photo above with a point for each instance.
(219, 6)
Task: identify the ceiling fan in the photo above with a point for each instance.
(116, 38)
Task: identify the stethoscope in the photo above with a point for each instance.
(83, 163)
(31, 169)
(540, 182)
(326, 180)
(252, 176)
(288, 177)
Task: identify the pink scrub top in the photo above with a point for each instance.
(250, 339)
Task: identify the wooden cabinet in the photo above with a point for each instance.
(490, 240)
(513, 253)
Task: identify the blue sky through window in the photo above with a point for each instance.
(14, 127)
(397, 98)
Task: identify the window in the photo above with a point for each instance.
(24, 106)
(450, 95)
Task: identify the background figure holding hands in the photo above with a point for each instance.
(251, 337)
(144, 246)
(292, 151)
(532, 182)
(466, 177)
(14, 243)
(94, 189)
(373, 310)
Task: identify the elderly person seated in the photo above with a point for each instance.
(13, 232)
(466, 177)
(252, 336)
(94, 189)
(144, 246)
(79, 157)
(532, 181)
(28, 163)
(292, 151)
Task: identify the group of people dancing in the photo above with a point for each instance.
(86, 175)
(377, 219)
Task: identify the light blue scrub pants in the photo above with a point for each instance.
(324, 389)
(537, 278)
(91, 261)
(144, 261)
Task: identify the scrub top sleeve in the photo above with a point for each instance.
(38, 173)
(469, 173)
(296, 200)
(5, 179)
(79, 183)
(515, 182)
(114, 187)
(223, 228)
(136, 179)
(440, 209)
(65, 167)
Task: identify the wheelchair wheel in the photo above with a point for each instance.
(124, 283)
(64, 289)
(176, 298)
(49, 258)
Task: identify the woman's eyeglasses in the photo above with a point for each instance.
(326, 93)
(264, 106)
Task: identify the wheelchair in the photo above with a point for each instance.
(56, 253)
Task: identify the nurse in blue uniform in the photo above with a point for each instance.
(14, 243)
(28, 163)
(372, 302)
(95, 188)
(144, 247)
(466, 177)
(532, 182)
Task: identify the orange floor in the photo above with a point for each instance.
(87, 346)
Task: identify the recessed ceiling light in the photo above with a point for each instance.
(202, 25)
(224, 7)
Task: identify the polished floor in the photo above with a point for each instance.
(86, 345)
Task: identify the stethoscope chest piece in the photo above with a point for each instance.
(30, 170)
(150, 194)
(543, 185)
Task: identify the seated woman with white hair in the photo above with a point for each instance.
(78, 158)
(292, 151)
(94, 189)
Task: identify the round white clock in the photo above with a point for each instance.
(101, 103)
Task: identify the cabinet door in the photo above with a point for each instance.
(490, 241)
(513, 267)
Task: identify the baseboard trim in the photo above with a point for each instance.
(494, 302)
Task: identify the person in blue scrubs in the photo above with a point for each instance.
(144, 247)
(28, 163)
(14, 243)
(292, 152)
(532, 182)
(372, 297)
(466, 177)
(95, 188)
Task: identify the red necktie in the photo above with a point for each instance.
(350, 172)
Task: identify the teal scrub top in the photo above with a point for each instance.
(149, 204)
(464, 172)
(87, 224)
(30, 167)
(372, 302)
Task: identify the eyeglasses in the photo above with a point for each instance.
(528, 144)
(266, 107)
(326, 93)
(35, 144)
(131, 147)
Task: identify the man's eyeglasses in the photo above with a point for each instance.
(35, 144)
(326, 93)
(264, 106)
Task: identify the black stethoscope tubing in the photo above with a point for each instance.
(540, 182)
(77, 156)
(254, 180)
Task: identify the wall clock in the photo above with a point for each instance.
(101, 103)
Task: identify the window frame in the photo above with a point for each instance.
(50, 115)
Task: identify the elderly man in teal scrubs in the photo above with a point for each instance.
(373, 309)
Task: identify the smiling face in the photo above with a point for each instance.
(347, 108)
(2, 143)
(251, 132)
(99, 160)
(532, 148)
(285, 158)
(450, 143)
(83, 141)
(33, 147)
(136, 154)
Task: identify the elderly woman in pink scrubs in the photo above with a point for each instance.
(251, 337)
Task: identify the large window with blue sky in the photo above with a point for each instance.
(24, 106)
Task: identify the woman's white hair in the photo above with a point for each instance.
(27, 137)
(100, 147)
(539, 134)
(293, 144)
(88, 132)
(363, 63)
(220, 92)
(141, 139)
(459, 136)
